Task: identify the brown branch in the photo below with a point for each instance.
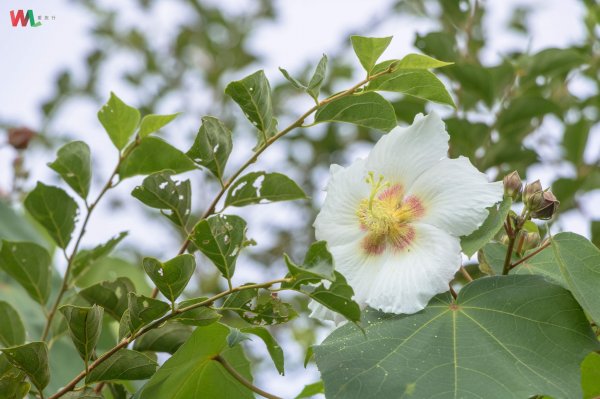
(466, 274)
(235, 374)
(529, 256)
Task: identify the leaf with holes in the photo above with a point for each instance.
(195, 373)
(221, 238)
(124, 365)
(173, 198)
(84, 326)
(29, 264)
(55, 210)
(111, 295)
(12, 330)
(154, 155)
(262, 187)
(32, 359)
(153, 123)
(259, 309)
(170, 277)
(73, 163)
(119, 120)
(212, 146)
(367, 109)
(253, 95)
(504, 337)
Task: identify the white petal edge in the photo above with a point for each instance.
(337, 222)
(455, 196)
(322, 313)
(401, 281)
(406, 152)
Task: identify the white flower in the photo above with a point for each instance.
(393, 221)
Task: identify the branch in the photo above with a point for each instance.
(155, 324)
(234, 373)
(529, 256)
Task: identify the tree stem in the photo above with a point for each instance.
(234, 373)
(529, 256)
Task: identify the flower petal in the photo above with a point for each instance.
(322, 313)
(338, 223)
(404, 153)
(407, 280)
(455, 195)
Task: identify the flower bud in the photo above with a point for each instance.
(531, 239)
(531, 189)
(20, 137)
(545, 207)
(512, 185)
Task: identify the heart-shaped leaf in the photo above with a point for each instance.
(73, 163)
(119, 120)
(212, 146)
(171, 277)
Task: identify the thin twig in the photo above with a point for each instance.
(452, 291)
(234, 373)
(466, 274)
(529, 256)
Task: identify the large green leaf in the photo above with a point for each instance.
(221, 238)
(154, 155)
(12, 330)
(124, 365)
(172, 276)
(32, 359)
(153, 123)
(573, 262)
(262, 187)
(590, 376)
(111, 295)
(55, 210)
(369, 49)
(493, 224)
(73, 163)
(253, 95)
(212, 146)
(414, 82)
(368, 109)
(84, 325)
(504, 337)
(173, 198)
(167, 338)
(192, 371)
(29, 264)
(119, 120)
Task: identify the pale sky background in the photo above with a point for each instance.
(31, 58)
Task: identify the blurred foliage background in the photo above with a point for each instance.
(529, 111)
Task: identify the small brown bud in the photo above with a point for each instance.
(546, 206)
(20, 137)
(531, 189)
(512, 185)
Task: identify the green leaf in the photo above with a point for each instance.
(85, 258)
(259, 310)
(590, 376)
(87, 393)
(314, 86)
(111, 295)
(84, 325)
(418, 83)
(212, 146)
(55, 210)
(517, 117)
(173, 198)
(297, 84)
(261, 188)
(143, 310)
(119, 120)
(32, 359)
(368, 109)
(504, 337)
(491, 258)
(253, 95)
(153, 123)
(221, 238)
(12, 330)
(74, 165)
(574, 262)
(200, 316)
(167, 338)
(336, 296)
(311, 390)
(16, 226)
(575, 139)
(12, 385)
(154, 155)
(555, 61)
(124, 365)
(491, 226)
(109, 268)
(170, 277)
(419, 61)
(29, 264)
(195, 373)
(273, 347)
(235, 337)
(369, 49)
(317, 265)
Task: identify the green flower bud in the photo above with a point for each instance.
(530, 189)
(531, 239)
(512, 185)
(545, 207)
